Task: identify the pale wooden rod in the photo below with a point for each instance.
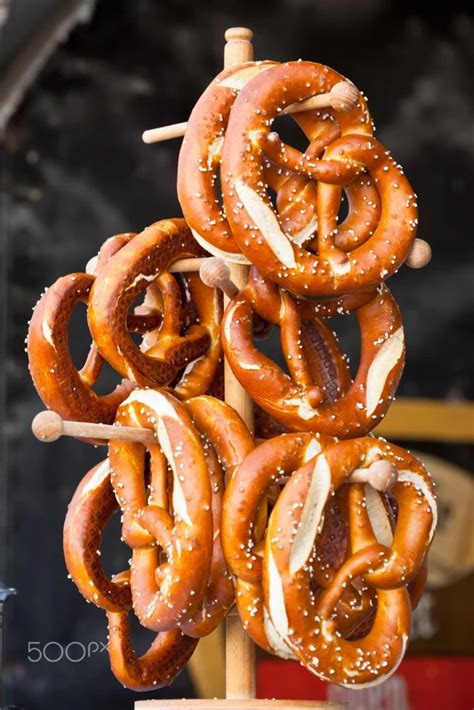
(343, 96)
(239, 647)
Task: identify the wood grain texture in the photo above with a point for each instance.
(240, 650)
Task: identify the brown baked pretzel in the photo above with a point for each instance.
(199, 162)
(88, 514)
(145, 259)
(317, 395)
(161, 663)
(306, 621)
(252, 219)
(242, 535)
(59, 384)
(227, 437)
(164, 592)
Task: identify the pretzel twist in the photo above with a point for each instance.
(89, 512)
(306, 621)
(166, 593)
(317, 395)
(379, 251)
(158, 666)
(59, 384)
(199, 162)
(143, 260)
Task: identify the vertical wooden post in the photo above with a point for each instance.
(240, 650)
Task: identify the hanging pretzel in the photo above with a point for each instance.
(306, 622)
(243, 529)
(59, 384)
(89, 512)
(317, 394)
(144, 260)
(199, 162)
(169, 592)
(158, 666)
(225, 432)
(252, 219)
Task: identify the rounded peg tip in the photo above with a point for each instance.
(47, 426)
(382, 475)
(420, 254)
(344, 96)
(214, 272)
(238, 33)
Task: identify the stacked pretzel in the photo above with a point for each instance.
(320, 535)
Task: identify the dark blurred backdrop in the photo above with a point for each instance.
(77, 172)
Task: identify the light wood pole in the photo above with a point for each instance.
(240, 650)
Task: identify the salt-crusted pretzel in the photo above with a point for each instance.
(305, 621)
(59, 384)
(88, 514)
(199, 375)
(158, 666)
(244, 496)
(145, 259)
(199, 162)
(164, 593)
(226, 436)
(252, 219)
(295, 400)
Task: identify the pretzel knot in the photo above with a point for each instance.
(248, 499)
(143, 261)
(381, 246)
(59, 384)
(317, 394)
(385, 560)
(201, 153)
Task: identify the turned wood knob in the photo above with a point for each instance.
(382, 475)
(343, 96)
(243, 34)
(420, 254)
(215, 273)
(47, 426)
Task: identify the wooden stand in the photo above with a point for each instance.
(240, 650)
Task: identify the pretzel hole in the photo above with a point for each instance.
(271, 347)
(348, 335)
(289, 132)
(115, 554)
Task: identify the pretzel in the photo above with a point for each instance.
(59, 384)
(306, 622)
(318, 394)
(89, 512)
(158, 666)
(226, 440)
(252, 219)
(199, 161)
(145, 259)
(244, 498)
(166, 593)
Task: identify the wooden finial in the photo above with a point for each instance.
(343, 96)
(381, 475)
(420, 254)
(48, 426)
(243, 34)
(215, 273)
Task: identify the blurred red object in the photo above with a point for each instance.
(421, 683)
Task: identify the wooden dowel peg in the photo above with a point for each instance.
(381, 475)
(186, 265)
(420, 254)
(165, 133)
(342, 97)
(48, 426)
(215, 273)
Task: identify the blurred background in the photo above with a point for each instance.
(80, 81)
